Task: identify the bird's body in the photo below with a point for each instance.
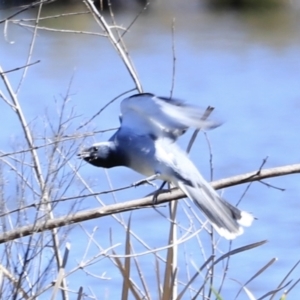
(146, 143)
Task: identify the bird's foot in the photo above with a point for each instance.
(144, 181)
(157, 192)
(147, 180)
(155, 195)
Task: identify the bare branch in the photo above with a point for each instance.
(24, 8)
(103, 108)
(54, 141)
(165, 196)
(257, 176)
(56, 16)
(174, 58)
(134, 20)
(24, 124)
(19, 68)
(125, 57)
(61, 30)
(206, 114)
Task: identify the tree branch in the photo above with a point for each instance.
(165, 196)
(115, 42)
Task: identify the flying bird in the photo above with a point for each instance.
(146, 143)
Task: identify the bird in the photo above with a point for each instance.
(146, 143)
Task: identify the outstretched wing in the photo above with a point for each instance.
(161, 116)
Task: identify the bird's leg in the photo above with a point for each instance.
(147, 180)
(157, 192)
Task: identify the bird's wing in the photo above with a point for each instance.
(160, 116)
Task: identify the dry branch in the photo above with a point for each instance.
(165, 196)
(115, 42)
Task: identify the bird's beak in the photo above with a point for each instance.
(84, 154)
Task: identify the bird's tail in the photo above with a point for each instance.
(225, 218)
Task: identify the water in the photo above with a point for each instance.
(246, 64)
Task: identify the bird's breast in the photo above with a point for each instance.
(139, 152)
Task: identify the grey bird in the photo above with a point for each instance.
(146, 143)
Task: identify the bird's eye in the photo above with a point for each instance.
(95, 149)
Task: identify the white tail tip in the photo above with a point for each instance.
(246, 219)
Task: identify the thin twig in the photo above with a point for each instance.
(26, 8)
(53, 141)
(61, 30)
(134, 20)
(19, 68)
(272, 186)
(31, 48)
(174, 58)
(103, 108)
(54, 16)
(125, 57)
(194, 136)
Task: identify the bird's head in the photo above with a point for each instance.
(100, 155)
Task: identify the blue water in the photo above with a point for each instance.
(247, 65)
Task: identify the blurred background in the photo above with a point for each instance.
(242, 57)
